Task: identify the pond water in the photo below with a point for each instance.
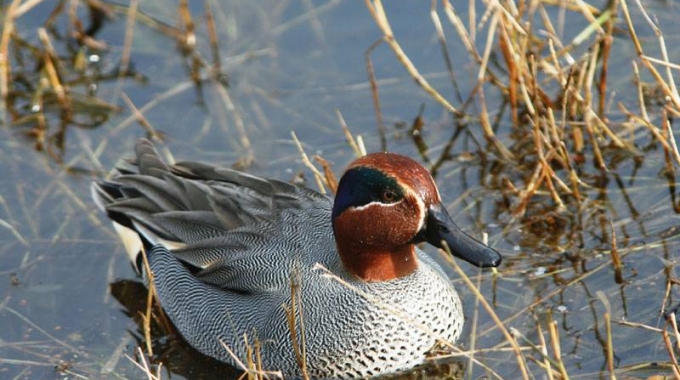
(70, 303)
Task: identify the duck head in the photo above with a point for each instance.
(385, 204)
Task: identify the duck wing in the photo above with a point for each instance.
(233, 230)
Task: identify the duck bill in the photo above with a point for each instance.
(440, 228)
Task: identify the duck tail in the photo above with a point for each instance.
(109, 195)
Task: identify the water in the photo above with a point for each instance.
(70, 303)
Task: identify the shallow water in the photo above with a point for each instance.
(70, 301)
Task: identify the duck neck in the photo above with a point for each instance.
(380, 266)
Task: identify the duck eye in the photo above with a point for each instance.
(388, 196)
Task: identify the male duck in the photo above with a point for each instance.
(227, 250)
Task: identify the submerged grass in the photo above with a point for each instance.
(555, 115)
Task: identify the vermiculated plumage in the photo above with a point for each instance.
(227, 247)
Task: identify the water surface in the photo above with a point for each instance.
(70, 301)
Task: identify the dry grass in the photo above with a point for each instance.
(561, 103)
(557, 101)
(563, 125)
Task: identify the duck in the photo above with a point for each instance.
(250, 269)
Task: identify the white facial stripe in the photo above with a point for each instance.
(421, 206)
(367, 205)
(419, 202)
(421, 213)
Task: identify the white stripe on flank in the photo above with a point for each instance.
(133, 242)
